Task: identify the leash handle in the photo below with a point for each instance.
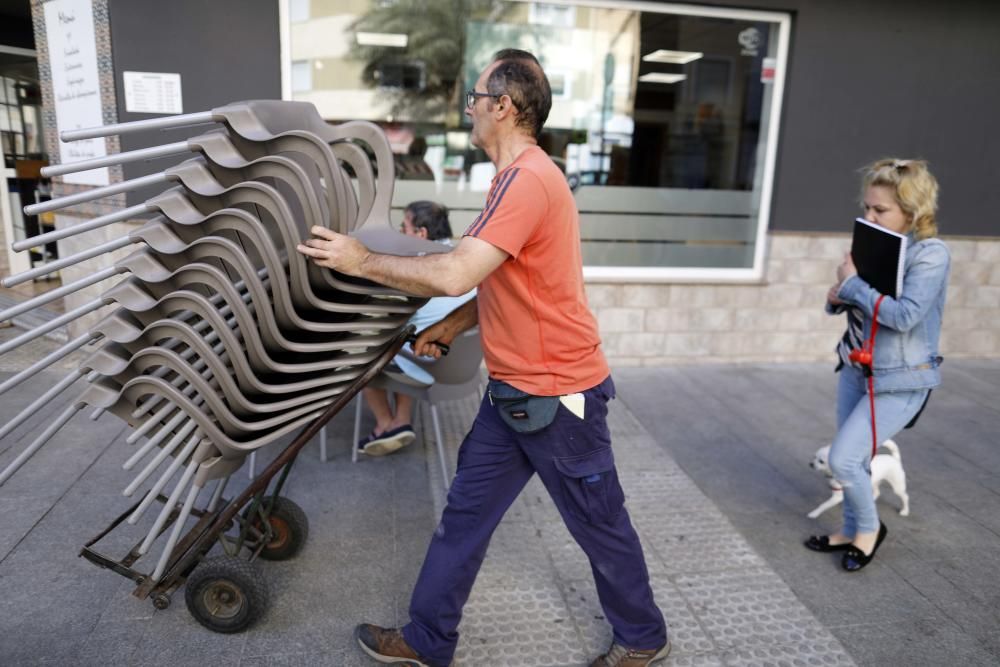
(444, 347)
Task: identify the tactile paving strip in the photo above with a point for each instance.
(535, 604)
(806, 654)
(694, 541)
(517, 556)
(666, 493)
(685, 632)
(518, 627)
(749, 609)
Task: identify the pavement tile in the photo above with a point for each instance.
(751, 607)
(813, 653)
(916, 640)
(525, 625)
(517, 556)
(695, 541)
(718, 503)
(348, 658)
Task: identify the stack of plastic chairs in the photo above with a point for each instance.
(223, 338)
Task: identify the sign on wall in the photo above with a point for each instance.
(69, 28)
(152, 92)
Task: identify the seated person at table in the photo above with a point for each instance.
(427, 220)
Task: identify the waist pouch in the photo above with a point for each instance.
(523, 412)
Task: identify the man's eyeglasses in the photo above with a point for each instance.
(471, 95)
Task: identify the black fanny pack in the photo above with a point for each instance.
(523, 412)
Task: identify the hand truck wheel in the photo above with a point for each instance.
(289, 528)
(226, 594)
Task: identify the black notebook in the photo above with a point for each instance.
(879, 255)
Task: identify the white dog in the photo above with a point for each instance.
(885, 468)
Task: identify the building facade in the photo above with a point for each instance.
(713, 148)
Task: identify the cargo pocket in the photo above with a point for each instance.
(590, 485)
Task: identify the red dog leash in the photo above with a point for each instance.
(865, 357)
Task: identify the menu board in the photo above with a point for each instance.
(152, 92)
(69, 27)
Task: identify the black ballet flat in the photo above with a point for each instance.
(822, 543)
(855, 559)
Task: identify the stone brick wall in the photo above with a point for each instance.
(782, 319)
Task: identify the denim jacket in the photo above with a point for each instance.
(906, 344)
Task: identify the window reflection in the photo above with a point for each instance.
(659, 120)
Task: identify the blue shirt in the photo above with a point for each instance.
(906, 348)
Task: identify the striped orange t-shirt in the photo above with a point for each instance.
(538, 333)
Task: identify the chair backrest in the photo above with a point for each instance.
(457, 373)
(462, 361)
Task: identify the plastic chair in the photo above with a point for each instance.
(456, 375)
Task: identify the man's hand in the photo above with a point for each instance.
(440, 332)
(846, 268)
(335, 251)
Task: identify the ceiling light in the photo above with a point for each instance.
(381, 39)
(662, 77)
(672, 57)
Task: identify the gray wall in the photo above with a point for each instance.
(224, 50)
(869, 79)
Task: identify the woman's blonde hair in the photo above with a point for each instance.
(915, 189)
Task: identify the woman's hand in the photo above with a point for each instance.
(831, 295)
(846, 268)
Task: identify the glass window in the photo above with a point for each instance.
(298, 10)
(548, 14)
(663, 119)
(301, 76)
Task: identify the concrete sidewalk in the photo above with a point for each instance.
(699, 474)
(745, 435)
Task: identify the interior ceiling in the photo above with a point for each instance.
(16, 8)
(15, 24)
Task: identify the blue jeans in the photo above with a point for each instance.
(851, 451)
(573, 458)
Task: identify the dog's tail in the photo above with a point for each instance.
(893, 449)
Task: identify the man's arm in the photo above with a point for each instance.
(461, 319)
(452, 274)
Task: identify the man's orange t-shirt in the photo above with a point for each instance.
(538, 333)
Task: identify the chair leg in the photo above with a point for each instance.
(358, 401)
(439, 441)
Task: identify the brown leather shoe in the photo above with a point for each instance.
(619, 656)
(387, 645)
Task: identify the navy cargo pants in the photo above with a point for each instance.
(573, 458)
